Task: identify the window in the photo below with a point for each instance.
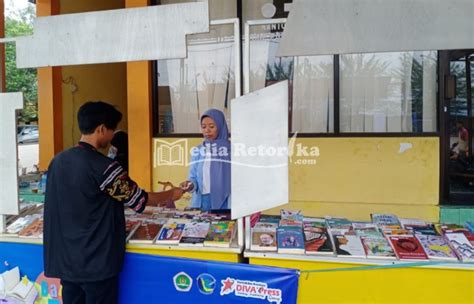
(388, 92)
(311, 91)
(366, 94)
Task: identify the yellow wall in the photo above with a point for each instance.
(105, 82)
(401, 285)
(353, 177)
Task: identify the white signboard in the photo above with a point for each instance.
(326, 27)
(132, 34)
(260, 150)
(9, 103)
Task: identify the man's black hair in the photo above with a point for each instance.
(94, 113)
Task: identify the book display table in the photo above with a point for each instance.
(351, 280)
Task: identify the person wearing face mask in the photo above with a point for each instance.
(118, 150)
(84, 222)
(209, 174)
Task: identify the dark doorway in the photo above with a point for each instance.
(457, 126)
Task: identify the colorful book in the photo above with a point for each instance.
(264, 237)
(338, 223)
(407, 247)
(194, 234)
(427, 229)
(145, 233)
(436, 247)
(265, 218)
(470, 226)
(292, 223)
(411, 222)
(220, 234)
(461, 245)
(377, 248)
(21, 223)
(130, 227)
(317, 241)
(348, 245)
(170, 233)
(366, 229)
(290, 240)
(386, 221)
(33, 230)
(450, 228)
(291, 215)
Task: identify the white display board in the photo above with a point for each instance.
(260, 150)
(326, 27)
(9, 103)
(132, 34)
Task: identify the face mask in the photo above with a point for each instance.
(112, 152)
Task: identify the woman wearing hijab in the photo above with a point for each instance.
(209, 174)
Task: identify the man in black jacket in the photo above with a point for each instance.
(84, 223)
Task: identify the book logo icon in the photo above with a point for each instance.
(170, 153)
(182, 282)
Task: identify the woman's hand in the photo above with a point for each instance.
(187, 186)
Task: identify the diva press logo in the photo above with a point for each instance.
(250, 289)
(182, 282)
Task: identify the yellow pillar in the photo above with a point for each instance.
(139, 116)
(49, 99)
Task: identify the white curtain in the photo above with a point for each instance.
(205, 79)
(376, 92)
(429, 91)
(313, 95)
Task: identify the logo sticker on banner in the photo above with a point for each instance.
(182, 282)
(251, 289)
(206, 283)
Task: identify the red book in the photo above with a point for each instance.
(407, 247)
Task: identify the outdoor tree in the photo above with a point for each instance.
(20, 23)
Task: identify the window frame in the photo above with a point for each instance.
(243, 85)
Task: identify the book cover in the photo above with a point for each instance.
(33, 230)
(264, 218)
(293, 223)
(399, 231)
(436, 247)
(317, 241)
(411, 222)
(377, 247)
(470, 226)
(407, 247)
(314, 222)
(348, 245)
(291, 215)
(338, 223)
(170, 233)
(290, 240)
(145, 233)
(461, 245)
(449, 228)
(264, 237)
(220, 234)
(366, 229)
(428, 229)
(386, 221)
(194, 233)
(21, 223)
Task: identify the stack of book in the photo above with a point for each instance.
(386, 237)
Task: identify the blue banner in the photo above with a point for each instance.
(157, 279)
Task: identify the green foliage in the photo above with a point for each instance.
(21, 80)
